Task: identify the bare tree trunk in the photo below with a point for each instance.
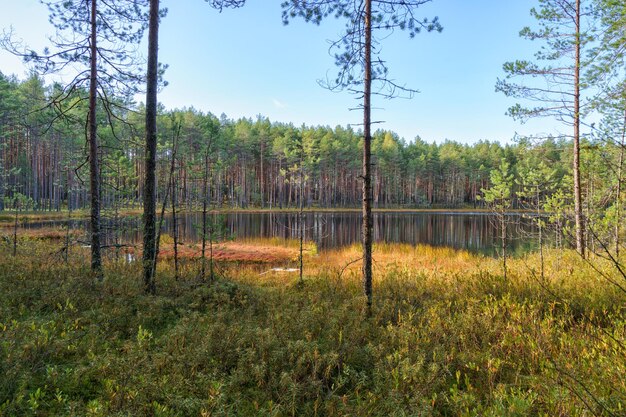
(204, 214)
(262, 174)
(94, 174)
(17, 206)
(578, 214)
(211, 273)
(211, 235)
(300, 216)
(149, 204)
(35, 170)
(367, 180)
(503, 227)
(540, 224)
(618, 196)
(3, 172)
(116, 215)
(69, 224)
(174, 222)
(589, 240)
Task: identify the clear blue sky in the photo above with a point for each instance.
(244, 62)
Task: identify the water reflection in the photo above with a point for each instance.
(476, 232)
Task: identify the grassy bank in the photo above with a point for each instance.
(448, 337)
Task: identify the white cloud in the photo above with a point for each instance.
(278, 104)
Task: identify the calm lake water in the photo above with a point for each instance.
(476, 232)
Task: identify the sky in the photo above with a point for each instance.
(245, 62)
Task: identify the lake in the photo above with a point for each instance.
(476, 232)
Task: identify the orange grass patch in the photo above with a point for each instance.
(233, 252)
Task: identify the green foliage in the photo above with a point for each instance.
(447, 344)
(499, 194)
(607, 67)
(387, 16)
(536, 183)
(549, 80)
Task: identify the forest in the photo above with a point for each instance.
(212, 323)
(256, 163)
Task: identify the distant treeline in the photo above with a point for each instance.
(251, 162)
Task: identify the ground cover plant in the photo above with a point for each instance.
(448, 337)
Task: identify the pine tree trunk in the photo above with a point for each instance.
(175, 224)
(503, 241)
(367, 139)
(149, 201)
(204, 214)
(578, 214)
(66, 253)
(540, 223)
(94, 173)
(262, 175)
(618, 194)
(3, 171)
(17, 205)
(301, 218)
(35, 170)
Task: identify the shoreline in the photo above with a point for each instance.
(7, 218)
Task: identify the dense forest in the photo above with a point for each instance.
(255, 163)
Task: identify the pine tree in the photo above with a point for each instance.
(499, 198)
(149, 205)
(557, 84)
(93, 36)
(359, 66)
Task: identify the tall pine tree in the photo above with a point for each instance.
(359, 65)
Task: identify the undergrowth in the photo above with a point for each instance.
(448, 337)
